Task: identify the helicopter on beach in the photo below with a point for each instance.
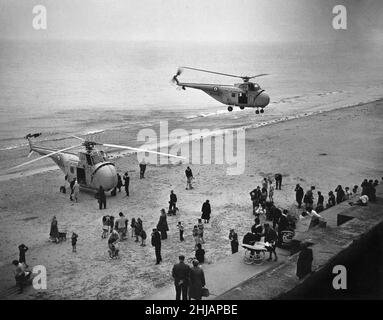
(243, 95)
(90, 167)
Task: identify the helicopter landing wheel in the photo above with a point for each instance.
(241, 108)
(257, 111)
(262, 111)
(230, 109)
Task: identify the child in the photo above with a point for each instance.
(143, 237)
(181, 229)
(133, 226)
(74, 241)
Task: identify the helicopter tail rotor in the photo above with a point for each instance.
(175, 77)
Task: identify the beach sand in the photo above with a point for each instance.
(336, 147)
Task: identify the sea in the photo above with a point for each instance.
(110, 90)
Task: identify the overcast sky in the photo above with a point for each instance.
(206, 20)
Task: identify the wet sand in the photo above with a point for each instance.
(325, 149)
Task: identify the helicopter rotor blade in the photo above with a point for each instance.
(258, 75)
(44, 156)
(222, 74)
(141, 150)
(245, 78)
(73, 136)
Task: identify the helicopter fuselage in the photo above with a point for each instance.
(243, 95)
(90, 167)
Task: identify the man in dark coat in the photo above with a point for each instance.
(162, 225)
(304, 262)
(101, 198)
(119, 182)
(340, 195)
(233, 237)
(278, 181)
(206, 211)
(126, 183)
(196, 281)
(299, 195)
(142, 169)
(156, 243)
(255, 196)
(189, 178)
(180, 274)
(172, 202)
(271, 237)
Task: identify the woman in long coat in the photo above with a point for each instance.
(196, 281)
(206, 211)
(54, 233)
(162, 225)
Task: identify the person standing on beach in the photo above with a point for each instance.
(180, 273)
(101, 198)
(278, 181)
(126, 183)
(119, 182)
(143, 237)
(54, 233)
(138, 228)
(339, 194)
(71, 188)
(233, 237)
(181, 230)
(255, 196)
(74, 241)
(271, 237)
(271, 191)
(304, 262)
(308, 198)
(76, 191)
(347, 194)
(162, 225)
(142, 169)
(156, 243)
(196, 281)
(172, 202)
(206, 211)
(320, 203)
(133, 226)
(22, 250)
(331, 200)
(299, 195)
(265, 184)
(189, 178)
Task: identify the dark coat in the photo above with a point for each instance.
(156, 239)
(206, 211)
(299, 194)
(173, 198)
(162, 224)
(196, 282)
(304, 262)
(119, 181)
(180, 272)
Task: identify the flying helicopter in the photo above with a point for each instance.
(243, 95)
(90, 167)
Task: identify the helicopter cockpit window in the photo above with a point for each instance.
(251, 87)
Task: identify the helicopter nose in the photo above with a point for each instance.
(105, 176)
(262, 100)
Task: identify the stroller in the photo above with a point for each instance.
(256, 253)
(114, 250)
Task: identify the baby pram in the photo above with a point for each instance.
(256, 253)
